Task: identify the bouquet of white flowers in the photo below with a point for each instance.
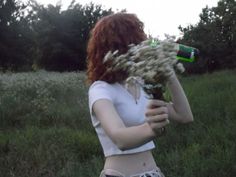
(149, 63)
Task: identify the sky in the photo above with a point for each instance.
(160, 17)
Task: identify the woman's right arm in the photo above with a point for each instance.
(128, 137)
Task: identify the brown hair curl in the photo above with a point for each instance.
(113, 32)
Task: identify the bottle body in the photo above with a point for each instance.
(186, 53)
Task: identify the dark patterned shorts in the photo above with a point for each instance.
(113, 173)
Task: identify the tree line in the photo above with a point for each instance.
(215, 36)
(33, 36)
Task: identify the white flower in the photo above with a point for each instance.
(153, 64)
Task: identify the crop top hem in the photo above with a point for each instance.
(113, 152)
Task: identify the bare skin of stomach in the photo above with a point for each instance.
(129, 164)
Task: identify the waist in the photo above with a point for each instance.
(131, 163)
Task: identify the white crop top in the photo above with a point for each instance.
(131, 112)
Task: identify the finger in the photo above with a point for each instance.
(157, 118)
(156, 103)
(157, 126)
(155, 111)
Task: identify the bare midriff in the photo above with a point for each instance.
(129, 164)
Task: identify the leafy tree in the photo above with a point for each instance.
(61, 36)
(215, 36)
(15, 39)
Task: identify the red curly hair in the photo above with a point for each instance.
(111, 33)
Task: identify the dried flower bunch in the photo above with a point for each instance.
(149, 64)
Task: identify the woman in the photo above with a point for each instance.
(125, 120)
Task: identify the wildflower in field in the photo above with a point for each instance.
(148, 65)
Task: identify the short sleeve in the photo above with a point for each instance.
(98, 90)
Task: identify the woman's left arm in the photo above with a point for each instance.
(180, 109)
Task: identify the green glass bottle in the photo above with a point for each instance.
(184, 52)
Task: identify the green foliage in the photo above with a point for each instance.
(62, 35)
(59, 141)
(206, 147)
(42, 99)
(35, 37)
(45, 125)
(15, 37)
(214, 35)
(44, 152)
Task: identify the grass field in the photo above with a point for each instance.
(45, 128)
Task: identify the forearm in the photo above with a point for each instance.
(131, 137)
(181, 105)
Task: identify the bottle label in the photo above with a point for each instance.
(186, 53)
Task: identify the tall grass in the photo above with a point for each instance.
(45, 128)
(207, 146)
(43, 99)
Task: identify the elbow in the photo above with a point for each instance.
(126, 146)
(187, 119)
(115, 137)
(122, 147)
